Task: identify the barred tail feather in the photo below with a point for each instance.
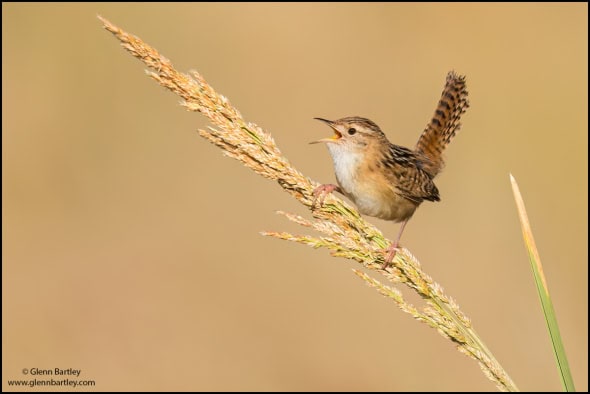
(445, 123)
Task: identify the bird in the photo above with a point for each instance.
(389, 181)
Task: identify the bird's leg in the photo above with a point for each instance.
(392, 250)
(322, 191)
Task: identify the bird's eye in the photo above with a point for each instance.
(352, 131)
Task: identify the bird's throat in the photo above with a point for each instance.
(346, 162)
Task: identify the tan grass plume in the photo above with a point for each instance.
(343, 231)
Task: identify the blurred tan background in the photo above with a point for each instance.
(131, 246)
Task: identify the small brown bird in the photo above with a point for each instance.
(386, 180)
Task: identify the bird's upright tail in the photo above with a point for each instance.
(445, 123)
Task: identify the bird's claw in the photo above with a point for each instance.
(320, 194)
(390, 253)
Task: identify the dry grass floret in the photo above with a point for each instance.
(343, 231)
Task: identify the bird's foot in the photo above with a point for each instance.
(320, 193)
(390, 253)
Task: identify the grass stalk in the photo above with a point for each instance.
(342, 229)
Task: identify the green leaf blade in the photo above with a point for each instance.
(541, 283)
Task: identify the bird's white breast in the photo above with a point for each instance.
(346, 163)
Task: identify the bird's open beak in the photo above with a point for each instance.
(333, 138)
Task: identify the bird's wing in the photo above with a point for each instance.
(408, 174)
